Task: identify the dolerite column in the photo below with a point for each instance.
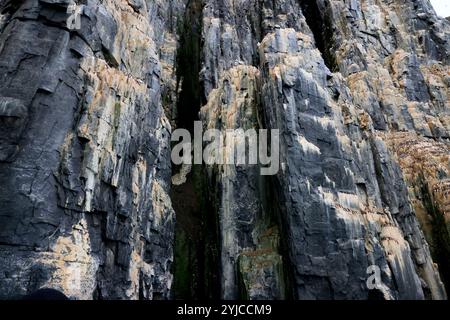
(335, 90)
(84, 152)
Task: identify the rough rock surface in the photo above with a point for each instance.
(359, 90)
(342, 199)
(84, 153)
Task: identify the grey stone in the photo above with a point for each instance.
(359, 91)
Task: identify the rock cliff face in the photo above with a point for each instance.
(85, 153)
(91, 204)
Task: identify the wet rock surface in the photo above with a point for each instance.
(359, 91)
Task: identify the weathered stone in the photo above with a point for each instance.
(359, 91)
(85, 163)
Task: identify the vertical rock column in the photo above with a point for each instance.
(340, 198)
(251, 265)
(395, 59)
(84, 164)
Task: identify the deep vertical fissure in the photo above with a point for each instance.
(188, 66)
(322, 31)
(440, 247)
(196, 254)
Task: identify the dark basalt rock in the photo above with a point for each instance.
(359, 91)
(85, 156)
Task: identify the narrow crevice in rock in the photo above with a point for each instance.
(196, 254)
(195, 267)
(188, 66)
(440, 244)
(321, 29)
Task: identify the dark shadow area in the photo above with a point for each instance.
(321, 29)
(188, 66)
(440, 247)
(46, 295)
(376, 295)
(196, 254)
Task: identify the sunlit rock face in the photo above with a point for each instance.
(337, 83)
(359, 91)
